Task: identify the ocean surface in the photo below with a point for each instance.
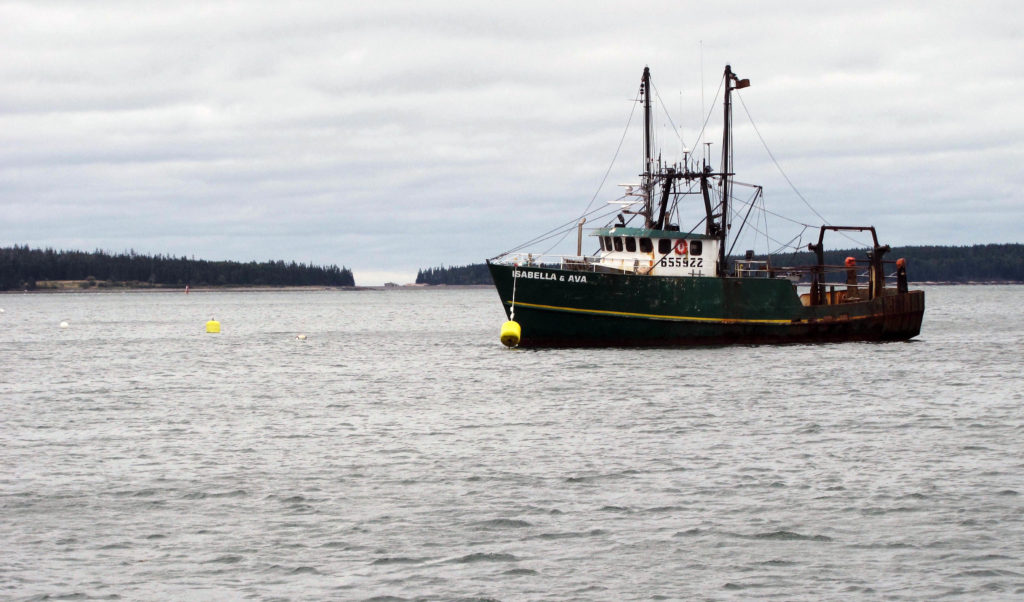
(399, 452)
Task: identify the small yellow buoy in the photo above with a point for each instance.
(64, 324)
(301, 337)
(213, 326)
(510, 333)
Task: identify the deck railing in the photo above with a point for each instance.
(561, 262)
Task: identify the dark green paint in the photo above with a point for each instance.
(723, 311)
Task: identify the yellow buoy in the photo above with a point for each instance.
(510, 333)
(213, 326)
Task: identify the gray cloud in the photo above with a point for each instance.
(390, 136)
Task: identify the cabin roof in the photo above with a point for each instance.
(649, 233)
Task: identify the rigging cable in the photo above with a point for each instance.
(707, 118)
(789, 245)
(750, 207)
(788, 181)
(614, 158)
(775, 161)
(782, 245)
(668, 116)
(636, 101)
(762, 214)
(567, 226)
(764, 219)
(586, 211)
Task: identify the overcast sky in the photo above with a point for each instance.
(390, 136)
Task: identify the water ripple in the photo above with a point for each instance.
(400, 453)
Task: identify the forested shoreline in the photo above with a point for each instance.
(476, 273)
(22, 268)
(932, 263)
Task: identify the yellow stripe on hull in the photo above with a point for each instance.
(626, 314)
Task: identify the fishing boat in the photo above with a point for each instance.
(652, 283)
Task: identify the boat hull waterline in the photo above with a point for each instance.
(568, 308)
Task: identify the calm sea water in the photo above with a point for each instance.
(400, 453)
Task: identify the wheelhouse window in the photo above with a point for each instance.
(630, 244)
(607, 242)
(645, 245)
(696, 247)
(618, 243)
(664, 246)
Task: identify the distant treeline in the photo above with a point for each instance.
(467, 274)
(23, 268)
(978, 263)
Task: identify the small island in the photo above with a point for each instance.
(22, 268)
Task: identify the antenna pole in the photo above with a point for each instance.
(648, 185)
(726, 167)
(731, 83)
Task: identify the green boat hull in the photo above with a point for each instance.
(566, 308)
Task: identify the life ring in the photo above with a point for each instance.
(680, 247)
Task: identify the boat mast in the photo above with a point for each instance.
(731, 83)
(648, 181)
